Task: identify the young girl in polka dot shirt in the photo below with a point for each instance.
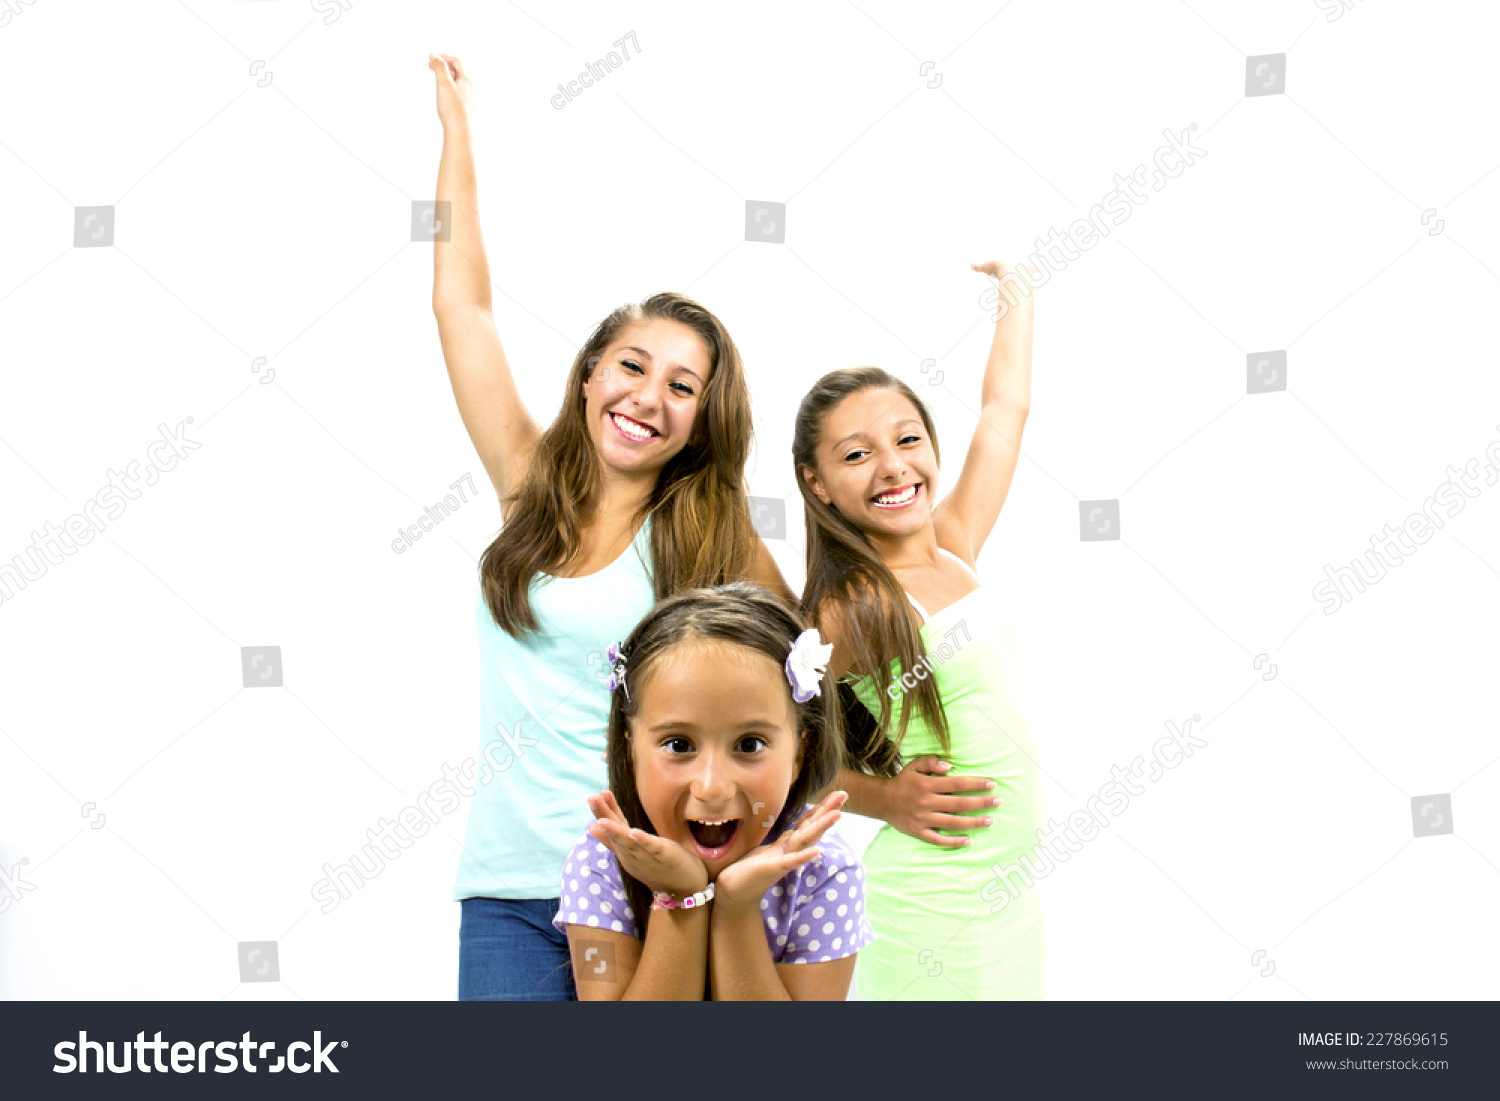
(705, 875)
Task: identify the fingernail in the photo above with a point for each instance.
(989, 821)
(967, 841)
(994, 802)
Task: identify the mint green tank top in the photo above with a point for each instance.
(543, 711)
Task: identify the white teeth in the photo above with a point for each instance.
(897, 498)
(630, 428)
(711, 821)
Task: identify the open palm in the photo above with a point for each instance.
(745, 882)
(661, 864)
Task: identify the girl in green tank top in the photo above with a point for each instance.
(929, 662)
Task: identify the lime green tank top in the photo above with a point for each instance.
(945, 924)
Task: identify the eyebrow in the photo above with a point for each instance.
(754, 724)
(899, 424)
(647, 355)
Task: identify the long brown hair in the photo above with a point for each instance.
(843, 568)
(701, 533)
(745, 615)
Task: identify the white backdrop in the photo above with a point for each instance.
(262, 158)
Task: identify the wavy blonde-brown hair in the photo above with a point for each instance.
(701, 532)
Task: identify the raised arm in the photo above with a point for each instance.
(498, 423)
(968, 513)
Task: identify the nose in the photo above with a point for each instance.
(647, 392)
(712, 785)
(892, 465)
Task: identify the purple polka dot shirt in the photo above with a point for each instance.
(813, 914)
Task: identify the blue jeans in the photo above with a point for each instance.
(508, 951)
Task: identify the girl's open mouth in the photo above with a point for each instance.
(897, 498)
(632, 430)
(713, 837)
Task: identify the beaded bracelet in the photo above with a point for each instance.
(661, 900)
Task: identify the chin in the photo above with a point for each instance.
(622, 458)
(902, 524)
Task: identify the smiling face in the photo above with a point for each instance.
(876, 463)
(715, 748)
(643, 396)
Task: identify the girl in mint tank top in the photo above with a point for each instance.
(937, 741)
(634, 492)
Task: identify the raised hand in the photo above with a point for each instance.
(661, 864)
(919, 803)
(1023, 292)
(997, 268)
(455, 91)
(744, 883)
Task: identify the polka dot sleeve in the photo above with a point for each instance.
(593, 893)
(826, 906)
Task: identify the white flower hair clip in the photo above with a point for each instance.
(806, 663)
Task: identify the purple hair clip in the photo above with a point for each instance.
(615, 655)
